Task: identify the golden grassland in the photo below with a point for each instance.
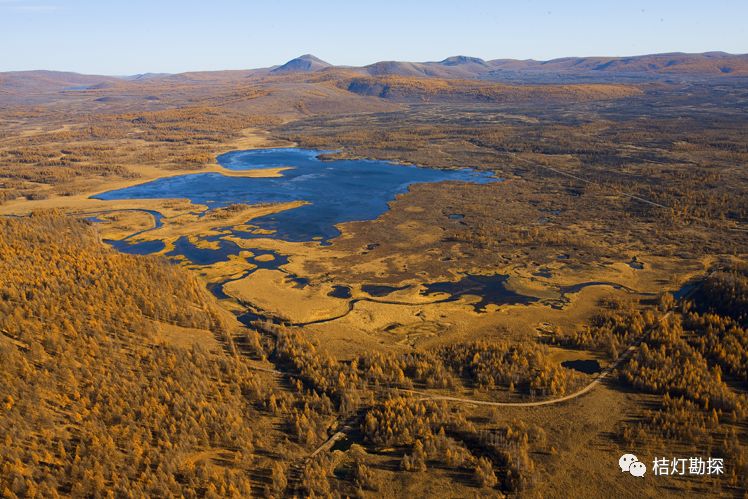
(227, 409)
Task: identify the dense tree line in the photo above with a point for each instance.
(667, 363)
(726, 293)
(425, 432)
(696, 362)
(432, 433)
(615, 325)
(524, 368)
(92, 404)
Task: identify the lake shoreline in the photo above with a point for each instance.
(252, 138)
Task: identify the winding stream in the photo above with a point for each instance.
(335, 192)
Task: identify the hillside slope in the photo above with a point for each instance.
(93, 400)
(405, 88)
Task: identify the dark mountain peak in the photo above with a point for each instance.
(457, 60)
(304, 63)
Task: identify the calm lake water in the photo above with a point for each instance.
(337, 191)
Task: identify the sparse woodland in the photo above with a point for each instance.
(65, 162)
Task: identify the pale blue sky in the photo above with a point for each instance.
(137, 36)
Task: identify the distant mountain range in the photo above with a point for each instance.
(673, 67)
(646, 67)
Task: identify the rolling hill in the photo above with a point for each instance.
(645, 67)
(708, 65)
(409, 88)
(302, 64)
(307, 82)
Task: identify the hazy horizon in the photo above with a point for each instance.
(125, 38)
(348, 65)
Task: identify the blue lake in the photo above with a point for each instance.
(337, 191)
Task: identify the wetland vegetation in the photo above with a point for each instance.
(305, 312)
